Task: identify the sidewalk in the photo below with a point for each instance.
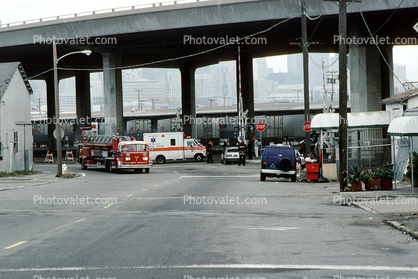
(16, 182)
(399, 207)
(46, 177)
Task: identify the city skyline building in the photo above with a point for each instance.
(215, 85)
(399, 71)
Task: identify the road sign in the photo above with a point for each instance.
(56, 133)
(260, 126)
(307, 126)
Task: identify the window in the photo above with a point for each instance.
(190, 143)
(173, 142)
(134, 147)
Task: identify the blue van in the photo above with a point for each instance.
(278, 161)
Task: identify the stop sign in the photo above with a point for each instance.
(260, 126)
(307, 126)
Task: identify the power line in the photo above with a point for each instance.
(389, 17)
(380, 51)
(175, 58)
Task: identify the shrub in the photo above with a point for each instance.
(365, 176)
(354, 175)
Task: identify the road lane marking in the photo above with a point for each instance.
(81, 220)
(109, 205)
(144, 190)
(267, 229)
(216, 176)
(14, 245)
(175, 172)
(129, 195)
(156, 185)
(273, 267)
(62, 227)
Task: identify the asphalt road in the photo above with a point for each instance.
(183, 220)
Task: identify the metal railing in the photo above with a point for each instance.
(105, 11)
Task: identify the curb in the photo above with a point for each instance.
(366, 208)
(394, 224)
(404, 229)
(39, 183)
(26, 186)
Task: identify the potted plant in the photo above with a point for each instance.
(408, 168)
(353, 177)
(365, 177)
(374, 182)
(386, 176)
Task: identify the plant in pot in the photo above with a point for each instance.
(354, 178)
(386, 176)
(375, 182)
(365, 177)
(408, 168)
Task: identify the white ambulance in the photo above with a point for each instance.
(173, 146)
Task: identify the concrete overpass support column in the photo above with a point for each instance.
(154, 125)
(247, 89)
(113, 104)
(83, 102)
(188, 100)
(370, 78)
(50, 103)
(388, 85)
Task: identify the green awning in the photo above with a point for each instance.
(356, 120)
(405, 126)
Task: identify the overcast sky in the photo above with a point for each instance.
(20, 10)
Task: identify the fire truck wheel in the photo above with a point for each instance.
(83, 164)
(146, 170)
(160, 159)
(198, 157)
(108, 166)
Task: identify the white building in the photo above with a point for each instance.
(398, 104)
(16, 141)
(401, 107)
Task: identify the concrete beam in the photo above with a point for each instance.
(388, 89)
(188, 100)
(83, 101)
(113, 103)
(197, 14)
(371, 80)
(154, 125)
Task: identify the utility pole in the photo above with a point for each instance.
(343, 92)
(306, 76)
(139, 100)
(343, 124)
(211, 101)
(57, 109)
(332, 81)
(224, 97)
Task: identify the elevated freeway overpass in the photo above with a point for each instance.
(155, 37)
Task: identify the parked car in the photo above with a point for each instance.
(230, 155)
(278, 161)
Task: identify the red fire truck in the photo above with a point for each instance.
(114, 153)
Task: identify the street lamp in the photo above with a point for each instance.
(57, 109)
